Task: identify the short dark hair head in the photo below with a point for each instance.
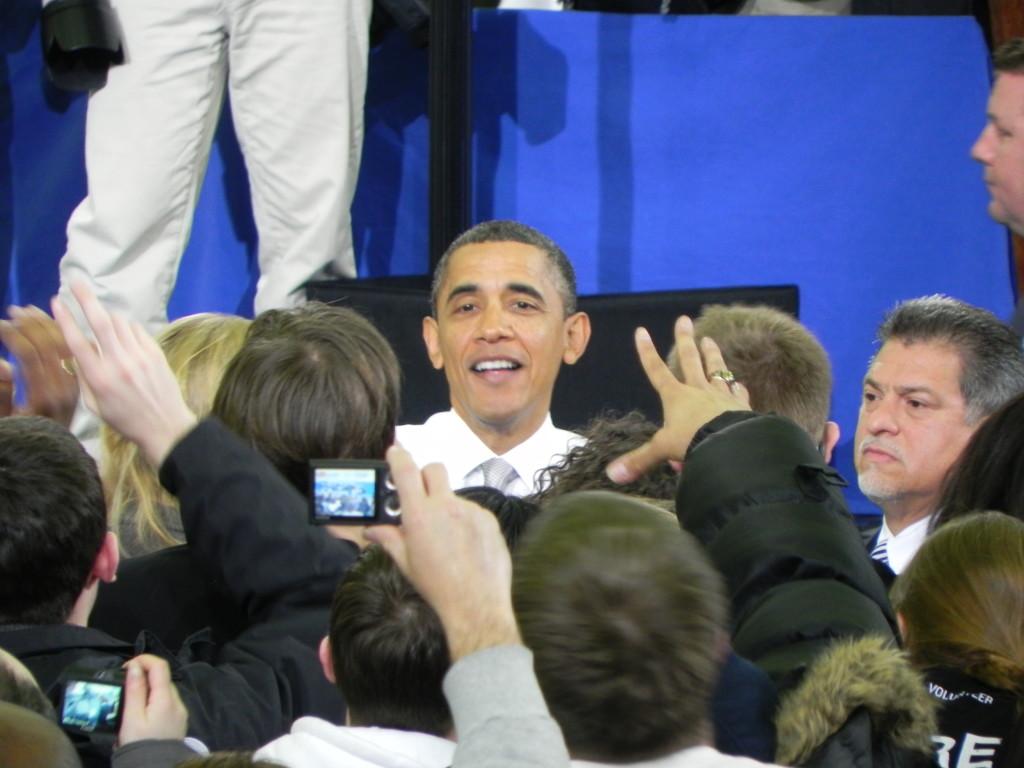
(312, 383)
(990, 472)
(514, 513)
(782, 365)
(389, 650)
(608, 436)
(53, 519)
(503, 231)
(1009, 57)
(624, 614)
(991, 359)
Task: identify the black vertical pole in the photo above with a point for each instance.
(450, 123)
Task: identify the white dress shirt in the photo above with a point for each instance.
(446, 439)
(903, 546)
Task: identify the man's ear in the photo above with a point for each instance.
(104, 567)
(829, 439)
(902, 624)
(326, 660)
(432, 340)
(577, 336)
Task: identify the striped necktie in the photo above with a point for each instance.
(881, 552)
(498, 474)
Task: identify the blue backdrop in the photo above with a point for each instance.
(661, 152)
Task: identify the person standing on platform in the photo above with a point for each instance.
(296, 76)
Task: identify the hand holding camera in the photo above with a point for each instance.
(352, 492)
(453, 552)
(125, 377)
(152, 707)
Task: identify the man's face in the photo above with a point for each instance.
(1000, 148)
(501, 335)
(912, 426)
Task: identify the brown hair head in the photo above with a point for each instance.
(781, 363)
(1009, 57)
(624, 614)
(316, 382)
(962, 600)
(608, 436)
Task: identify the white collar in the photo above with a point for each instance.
(462, 452)
(902, 546)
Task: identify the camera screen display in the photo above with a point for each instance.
(91, 706)
(345, 493)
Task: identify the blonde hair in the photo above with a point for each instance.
(198, 349)
(962, 600)
(782, 364)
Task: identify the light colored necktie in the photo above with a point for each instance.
(498, 474)
(881, 552)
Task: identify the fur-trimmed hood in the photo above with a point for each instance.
(866, 674)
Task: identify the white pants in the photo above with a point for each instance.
(296, 74)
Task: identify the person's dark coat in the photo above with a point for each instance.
(771, 515)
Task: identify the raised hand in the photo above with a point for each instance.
(38, 345)
(706, 391)
(152, 707)
(125, 377)
(453, 552)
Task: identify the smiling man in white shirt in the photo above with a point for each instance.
(503, 322)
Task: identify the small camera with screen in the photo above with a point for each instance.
(92, 700)
(352, 492)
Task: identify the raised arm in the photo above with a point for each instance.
(453, 552)
(125, 377)
(706, 392)
(242, 520)
(41, 353)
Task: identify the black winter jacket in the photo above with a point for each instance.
(771, 514)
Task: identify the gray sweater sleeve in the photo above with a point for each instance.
(500, 716)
